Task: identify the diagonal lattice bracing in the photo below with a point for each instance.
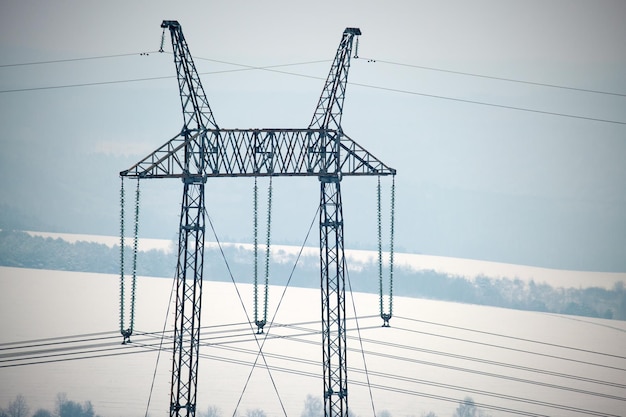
(333, 301)
(202, 150)
(262, 152)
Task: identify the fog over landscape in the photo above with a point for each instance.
(542, 185)
(505, 121)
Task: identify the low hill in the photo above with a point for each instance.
(590, 294)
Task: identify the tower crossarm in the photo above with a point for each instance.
(261, 152)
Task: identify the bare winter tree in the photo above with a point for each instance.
(257, 412)
(18, 407)
(313, 407)
(212, 411)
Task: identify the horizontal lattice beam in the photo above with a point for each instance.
(259, 152)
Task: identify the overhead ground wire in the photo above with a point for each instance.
(87, 58)
(272, 68)
(492, 77)
(376, 60)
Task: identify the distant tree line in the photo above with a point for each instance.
(313, 407)
(63, 408)
(19, 249)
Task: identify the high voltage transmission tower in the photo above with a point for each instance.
(202, 150)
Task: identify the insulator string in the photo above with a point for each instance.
(380, 248)
(260, 322)
(135, 250)
(256, 249)
(127, 331)
(391, 242)
(386, 316)
(122, 246)
(267, 249)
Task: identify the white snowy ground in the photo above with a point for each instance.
(59, 332)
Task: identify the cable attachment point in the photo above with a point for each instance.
(126, 335)
(386, 318)
(260, 324)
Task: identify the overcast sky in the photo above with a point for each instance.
(487, 168)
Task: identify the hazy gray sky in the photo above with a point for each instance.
(474, 180)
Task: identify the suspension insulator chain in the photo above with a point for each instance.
(260, 322)
(391, 241)
(267, 249)
(122, 247)
(256, 250)
(135, 250)
(127, 331)
(386, 316)
(380, 250)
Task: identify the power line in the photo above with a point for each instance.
(245, 337)
(251, 67)
(50, 340)
(484, 103)
(403, 91)
(414, 380)
(228, 345)
(133, 80)
(387, 387)
(90, 84)
(88, 58)
(474, 359)
(515, 338)
(272, 68)
(230, 334)
(119, 350)
(515, 349)
(404, 358)
(491, 77)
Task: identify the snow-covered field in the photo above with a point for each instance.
(468, 268)
(59, 333)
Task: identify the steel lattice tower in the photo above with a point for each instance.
(202, 150)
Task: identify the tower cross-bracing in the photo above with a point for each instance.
(202, 150)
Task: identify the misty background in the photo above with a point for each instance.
(487, 168)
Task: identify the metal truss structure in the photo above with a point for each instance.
(203, 150)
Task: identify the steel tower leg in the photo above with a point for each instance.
(333, 298)
(188, 299)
